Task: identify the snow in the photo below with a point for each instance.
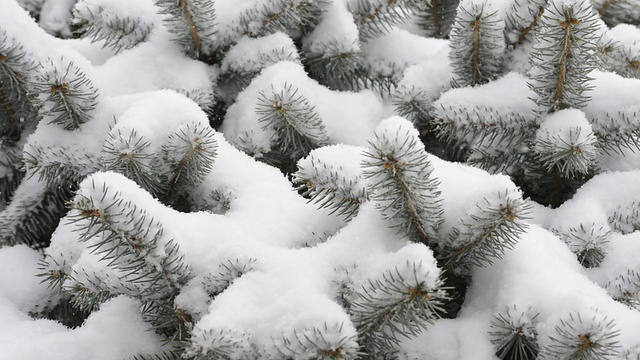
(509, 91)
(101, 15)
(529, 276)
(363, 110)
(566, 131)
(366, 243)
(612, 94)
(116, 331)
(251, 54)
(55, 16)
(300, 253)
(627, 34)
(337, 28)
(22, 288)
(502, 7)
(400, 49)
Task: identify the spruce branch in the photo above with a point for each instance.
(435, 17)
(513, 334)
(219, 344)
(68, 96)
(34, 213)
(188, 156)
(293, 121)
(327, 342)
(217, 201)
(617, 131)
(330, 187)
(53, 272)
(57, 165)
(228, 272)
(375, 18)
(87, 297)
(142, 261)
(401, 303)
(174, 323)
(631, 64)
(18, 113)
(625, 218)
(523, 19)
(486, 232)
(477, 45)
(615, 12)
(564, 55)
(193, 24)
(130, 242)
(206, 98)
(613, 56)
(341, 66)
(414, 105)
(494, 139)
(130, 154)
(17, 105)
(583, 339)
(345, 289)
(237, 70)
(117, 31)
(294, 17)
(625, 288)
(400, 181)
(589, 243)
(11, 171)
(572, 154)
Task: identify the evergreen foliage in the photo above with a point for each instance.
(130, 154)
(292, 17)
(571, 154)
(513, 334)
(477, 45)
(227, 274)
(625, 288)
(322, 343)
(116, 31)
(238, 74)
(68, 97)
(296, 126)
(33, 218)
(625, 219)
(436, 16)
(331, 186)
(193, 24)
(187, 157)
(585, 339)
(377, 17)
(614, 12)
(614, 56)
(564, 55)
(589, 243)
(400, 303)
(18, 110)
(138, 258)
(401, 184)
(522, 20)
(485, 233)
(128, 191)
(540, 151)
(335, 58)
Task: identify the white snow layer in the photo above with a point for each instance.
(292, 285)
